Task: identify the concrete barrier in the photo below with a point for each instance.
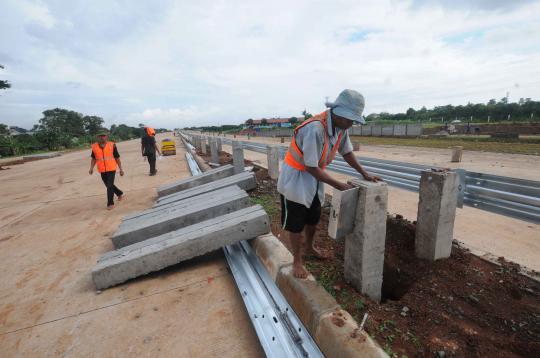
(238, 156)
(173, 247)
(272, 160)
(177, 215)
(245, 181)
(436, 214)
(457, 153)
(191, 182)
(342, 213)
(214, 155)
(364, 247)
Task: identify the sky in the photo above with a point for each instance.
(192, 63)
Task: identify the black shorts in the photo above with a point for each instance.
(295, 216)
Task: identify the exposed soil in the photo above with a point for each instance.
(462, 306)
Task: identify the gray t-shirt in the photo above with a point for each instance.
(300, 186)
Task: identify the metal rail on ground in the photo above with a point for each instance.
(513, 197)
(280, 331)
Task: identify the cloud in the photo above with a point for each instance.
(210, 62)
(169, 118)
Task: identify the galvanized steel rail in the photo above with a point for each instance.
(513, 197)
(280, 331)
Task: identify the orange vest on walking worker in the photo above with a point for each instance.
(295, 158)
(104, 157)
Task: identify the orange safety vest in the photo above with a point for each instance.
(150, 131)
(295, 158)
(104, 157)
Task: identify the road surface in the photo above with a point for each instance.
(54, 227)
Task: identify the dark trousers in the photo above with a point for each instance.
(152, 162)
(108, 180)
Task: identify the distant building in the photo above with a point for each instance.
(272, 122)
(14, 131)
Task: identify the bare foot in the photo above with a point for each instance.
(121, 197)
(313, 252)
(110, 207)
(299, 271)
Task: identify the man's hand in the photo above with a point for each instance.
(372, 178)
(344, 186)
(91, 171)
(121, 173)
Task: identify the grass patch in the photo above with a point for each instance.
(530, 146)
(267, 202)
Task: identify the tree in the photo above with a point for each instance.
(4, 130)
(293, 120)
(3, 83)
(306, 114)
(249, 122)
(264, 122)
(92, 124)
(60, 128)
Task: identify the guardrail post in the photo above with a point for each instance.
(272, 156)
(364, 247)
(214, 156)
(436, 214)
(457, 153)
(238, 156)
(219, 145)
(203, 145)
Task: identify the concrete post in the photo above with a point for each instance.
(219, 145)
(282, 140)
(436, 214)
(272, 156)
(203, 145)
(457, 153)
(214, 152)
(238, 156)
(364, 247)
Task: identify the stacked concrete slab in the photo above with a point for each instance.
(179, 214)
(207, 177)
(245, 181)
(173, 247)
(191, 217)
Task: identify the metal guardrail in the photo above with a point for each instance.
(280, 331)
(508, 196)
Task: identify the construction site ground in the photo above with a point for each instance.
(514, 239)
(54, 227)
(462, 306)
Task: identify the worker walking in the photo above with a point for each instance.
(149, 148)
(105, 155)
(314, 145)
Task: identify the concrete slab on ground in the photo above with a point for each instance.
(209, 196)
(179, 214)
(173, 247)
(245, 181)
(206, 177)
